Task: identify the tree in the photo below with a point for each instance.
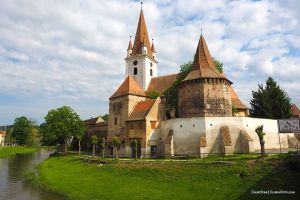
(105, 117)
(171, 93)
(116, 144)
(79, 132)
(48, 139)
(218, 65)
(94, 140)
(61, 125)
(21, 129)
(134, 143)
(260, 133)
(32, 138)
(270, 101)
(153, 94)
(102, 146)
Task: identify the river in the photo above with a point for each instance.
(12, 183)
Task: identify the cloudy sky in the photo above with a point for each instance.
(61, 52)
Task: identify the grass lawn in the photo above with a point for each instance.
(77, 179)
(13, 150)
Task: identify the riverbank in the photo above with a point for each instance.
(77, 179)
(13, 150)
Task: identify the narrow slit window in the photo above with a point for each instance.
(135, 71)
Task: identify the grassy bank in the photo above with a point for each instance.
(13, 150)
(76, 179)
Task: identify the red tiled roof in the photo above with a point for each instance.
(141, 110)
(295, 110)
(235, 100)
(161, 83)
(203, 66)
(129, 86)
(141, 37)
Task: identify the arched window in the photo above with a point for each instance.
(151, 72)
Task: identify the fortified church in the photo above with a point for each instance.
(205, 123)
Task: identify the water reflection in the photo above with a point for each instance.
(12, 185)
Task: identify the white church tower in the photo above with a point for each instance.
(141, 61)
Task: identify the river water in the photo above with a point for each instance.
(12, 183)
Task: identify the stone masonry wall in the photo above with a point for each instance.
(120, 108)
(191, 99)
(204, 97)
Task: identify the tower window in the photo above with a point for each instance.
(151, 72)
(135, 71)
(116, 121)
(151, 64)
(135, 62)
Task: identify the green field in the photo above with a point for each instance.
(13, 150)
(77, 179)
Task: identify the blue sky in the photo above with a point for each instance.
(55, 53)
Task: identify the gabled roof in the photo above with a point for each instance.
(235, 100)
(93, 121)
(141, 110)
(295, 110)
(203, 66)
(129, 86)
(161, 83)
(141, 37)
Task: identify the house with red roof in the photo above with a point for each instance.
(295, 111)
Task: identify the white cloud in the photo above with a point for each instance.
(57, 53)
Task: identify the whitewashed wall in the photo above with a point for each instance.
(187, 132)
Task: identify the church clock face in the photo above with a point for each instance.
(135, 62)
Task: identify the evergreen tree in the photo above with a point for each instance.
(270, 101)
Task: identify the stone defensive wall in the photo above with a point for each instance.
(204, 135)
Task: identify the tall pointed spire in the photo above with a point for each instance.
(202, 57)
(203, 66)
(141, 37)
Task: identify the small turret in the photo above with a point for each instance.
(153, 51)
(129, 49)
